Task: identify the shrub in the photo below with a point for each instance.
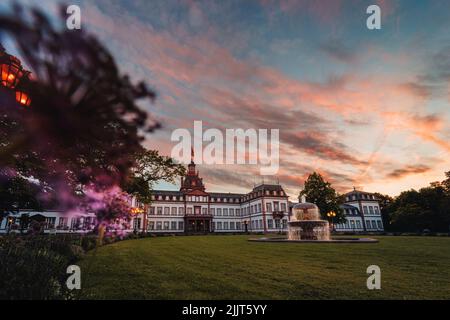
(29, 272)
(89, 242)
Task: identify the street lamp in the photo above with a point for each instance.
(13, 76)
(331, 216)
(22, 96)
(11, 69)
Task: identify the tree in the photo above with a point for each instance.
(415, 210)
(320, 192)
(149, 168)
(446, 182)
(385, 202)
(83, 126)
(17, 192)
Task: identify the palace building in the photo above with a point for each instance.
(362, 212)
(193, 209)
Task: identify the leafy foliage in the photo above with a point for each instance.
(84, 124)
(320, 192)
(82, 135)
(415, 211)
(148, 169)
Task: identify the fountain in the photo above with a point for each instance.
(306, 224)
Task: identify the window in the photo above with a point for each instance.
(371, 209)
(166, 211)
(180, 211)
(212, 211)
(173, 225)
(158, 225)
(50, 222)
(270, 223)
(380, 226)
(189, 210)
(376, 210)
(180, 225)
(277, 223)
(238, 226)
(225, 225)
(368, 224)
(166, 225)
(352, 224)
(62, 222)
(225, 212)
(219, 225)
(365, 209)
(137, 223)
(283, 207)
(232, 226)
(151, 225)
(269, 207)
(204, 211)
(358, 224)
(219, 211)
(151, 211)
(231, 212)
(238, 212)
(284, 223)
(174, 211)
(159, 210)
(276, 206)
(213, 225)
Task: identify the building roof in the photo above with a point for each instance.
(167, 192)
(269, 187)
(363, 195)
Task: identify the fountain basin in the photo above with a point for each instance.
(331, 240)
(309, 230)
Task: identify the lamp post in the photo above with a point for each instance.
(14, 77)
(331, 216)
(136, 211)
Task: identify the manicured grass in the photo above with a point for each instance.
(230, 267)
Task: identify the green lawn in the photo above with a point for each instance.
(230, 267)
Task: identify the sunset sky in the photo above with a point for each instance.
(366, 108)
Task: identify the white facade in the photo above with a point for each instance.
(173, 211)
(363, 213)
(53, 221)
